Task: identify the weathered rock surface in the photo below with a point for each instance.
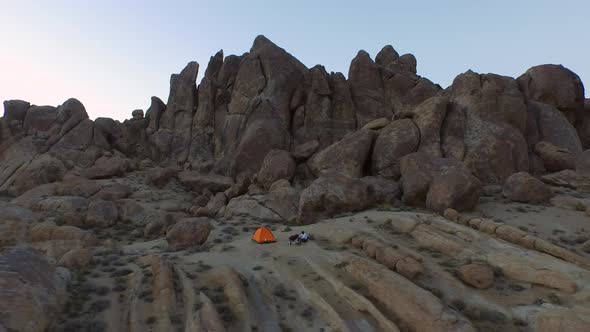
(346, 157)
(440, 183)
(524, 188)
(331, 194)
(277, 165)
(398, 139)
(32, 292)
(476, 275)
(554, 158)
(188, 232)
(197, 182)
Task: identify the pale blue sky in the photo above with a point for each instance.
(114, 55)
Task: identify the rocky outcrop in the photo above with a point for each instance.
(524, 188)
(14, 224)
(188, 232)
(346, 157)
(495, 117)
(554, 85)
(277, 165)
(396, 140)
(554, 158)
(331, 194)
(439, 183)
(32, 291)
(197, 182)
(476, 275)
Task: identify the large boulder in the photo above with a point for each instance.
(492, 118)
(367, 89)
(32, 291)
(476, 275)
(213, 206)
(522, 187)
(70, 210)
(346, 157)
(101, 213)
(44, 169)
(381, 190)
(188, 232)
(547, 123)
(554, 85)
(14, 224)
(107, 167)
(197, 182)
(583, 171)
(283, 200)
(277, 165)
(441, 183)
(396, 140)
(173, 138)
(77, 186)
(555, 158)
(330, 194)
(457, 189)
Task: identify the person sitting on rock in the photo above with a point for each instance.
(303, 237)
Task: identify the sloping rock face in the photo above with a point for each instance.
(439, 183)
(492, 125)
(32, 291)
(217, 134)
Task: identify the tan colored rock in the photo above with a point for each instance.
(197, 182)
(346, 157)
(76, 258)
(413, 305)
(440, 183)
(113, 192)
(566, 178)
(583, 171)
(101, 214)
(451, 214)
(188, 232)
(305, 150)
(107, 167)
(555, 158)
(71, 209)
(398, 139)
(14, 224)
(476, 275)
(329, 195)
(522, 187)
(554, 85)
(77, 186)
(523, 269)
(206, 319)
(44, 169)
(210, 210)
(277, 165)
(160, 176)
(32, 292)
(430, 237)
(376, 124)
(381, 190)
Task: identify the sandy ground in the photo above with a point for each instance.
(300, 287)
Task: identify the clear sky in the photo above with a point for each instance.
(114, 55)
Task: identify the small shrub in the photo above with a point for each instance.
(553, 298)
(150, 320)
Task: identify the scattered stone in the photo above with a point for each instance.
(188, 232)
(476, 275)
(524, 188)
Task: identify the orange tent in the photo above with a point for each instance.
(263, 235)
